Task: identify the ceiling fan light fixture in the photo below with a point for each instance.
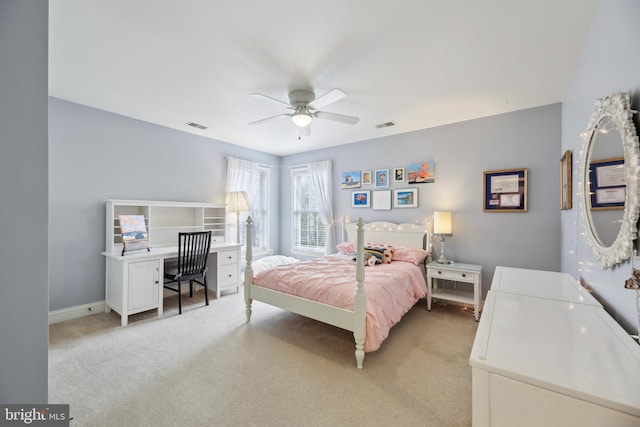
(301, 118)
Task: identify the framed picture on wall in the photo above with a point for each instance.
(505, 190)
(565, 180)
(351, 179)
(366, 177)
(381, 200)
(398, 175)
(360, 199)
(382, 178)
(405, 198)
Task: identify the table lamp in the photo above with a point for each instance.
(238, 201)
(442, 229)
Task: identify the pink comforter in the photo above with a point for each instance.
(391, 289)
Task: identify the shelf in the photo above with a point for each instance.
(453, 295)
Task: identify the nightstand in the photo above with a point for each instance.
(455, 272)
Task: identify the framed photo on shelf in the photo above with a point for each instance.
(405, 198)
(360, 199)
(366, 177)
(608, 187)
(398, 175)
(565, 181)
(381, 200)
(382, 178)
(505, 190)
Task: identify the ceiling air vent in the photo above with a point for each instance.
(385, 125)
(196, 125)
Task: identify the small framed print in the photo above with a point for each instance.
(350, 179)
(398, 175)
(608, 187)
(366, 177)
(360, 199)
(565, 181)
(382, 178)
(381, 200)
(405, 198)
(505, 190)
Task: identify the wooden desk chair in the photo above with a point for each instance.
(193, 252)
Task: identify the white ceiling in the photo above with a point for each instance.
(419, 63)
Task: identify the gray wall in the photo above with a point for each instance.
(609, 63)
(462, 151)
(95, 156)
(23, 210)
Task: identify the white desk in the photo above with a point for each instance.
(541, 284)
(134, 282)
(543, 357)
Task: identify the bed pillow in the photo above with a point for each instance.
(413, 255)
(388, 250)
(269, 262)
(346, 248)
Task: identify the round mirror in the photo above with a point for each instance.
(609, 180)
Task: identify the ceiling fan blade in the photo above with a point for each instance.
(257, 122)
(326, 99)
(270, 99)
(336, 117)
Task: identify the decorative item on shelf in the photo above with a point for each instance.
(134, 233)
(442, 229)
(238, 201)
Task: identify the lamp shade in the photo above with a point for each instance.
(238, 201)
(301, 118)
(442, 223)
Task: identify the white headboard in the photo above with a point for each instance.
(411, 235)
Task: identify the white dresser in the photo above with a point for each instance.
(547, 354)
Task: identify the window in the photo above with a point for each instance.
(309, 233)
(258, 192)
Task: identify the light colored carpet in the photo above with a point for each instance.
(208, 367)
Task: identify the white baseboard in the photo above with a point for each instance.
(75, 312)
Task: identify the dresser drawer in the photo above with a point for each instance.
(228, 275)
(228, 257)
(460, 276)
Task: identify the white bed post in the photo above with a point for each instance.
(359, 301)
(248, 272)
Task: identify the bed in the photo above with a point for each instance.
(368, 308)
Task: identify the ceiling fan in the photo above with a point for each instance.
(306, 107)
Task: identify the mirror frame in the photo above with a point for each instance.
(616, 109)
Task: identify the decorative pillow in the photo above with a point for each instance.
(388, 250)
(347, 248)
(376, 253)
(413, 255)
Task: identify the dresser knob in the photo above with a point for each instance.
(464, 275)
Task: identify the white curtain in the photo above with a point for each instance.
(322, 184)
(242, 175)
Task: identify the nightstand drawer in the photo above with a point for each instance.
(460, 276)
